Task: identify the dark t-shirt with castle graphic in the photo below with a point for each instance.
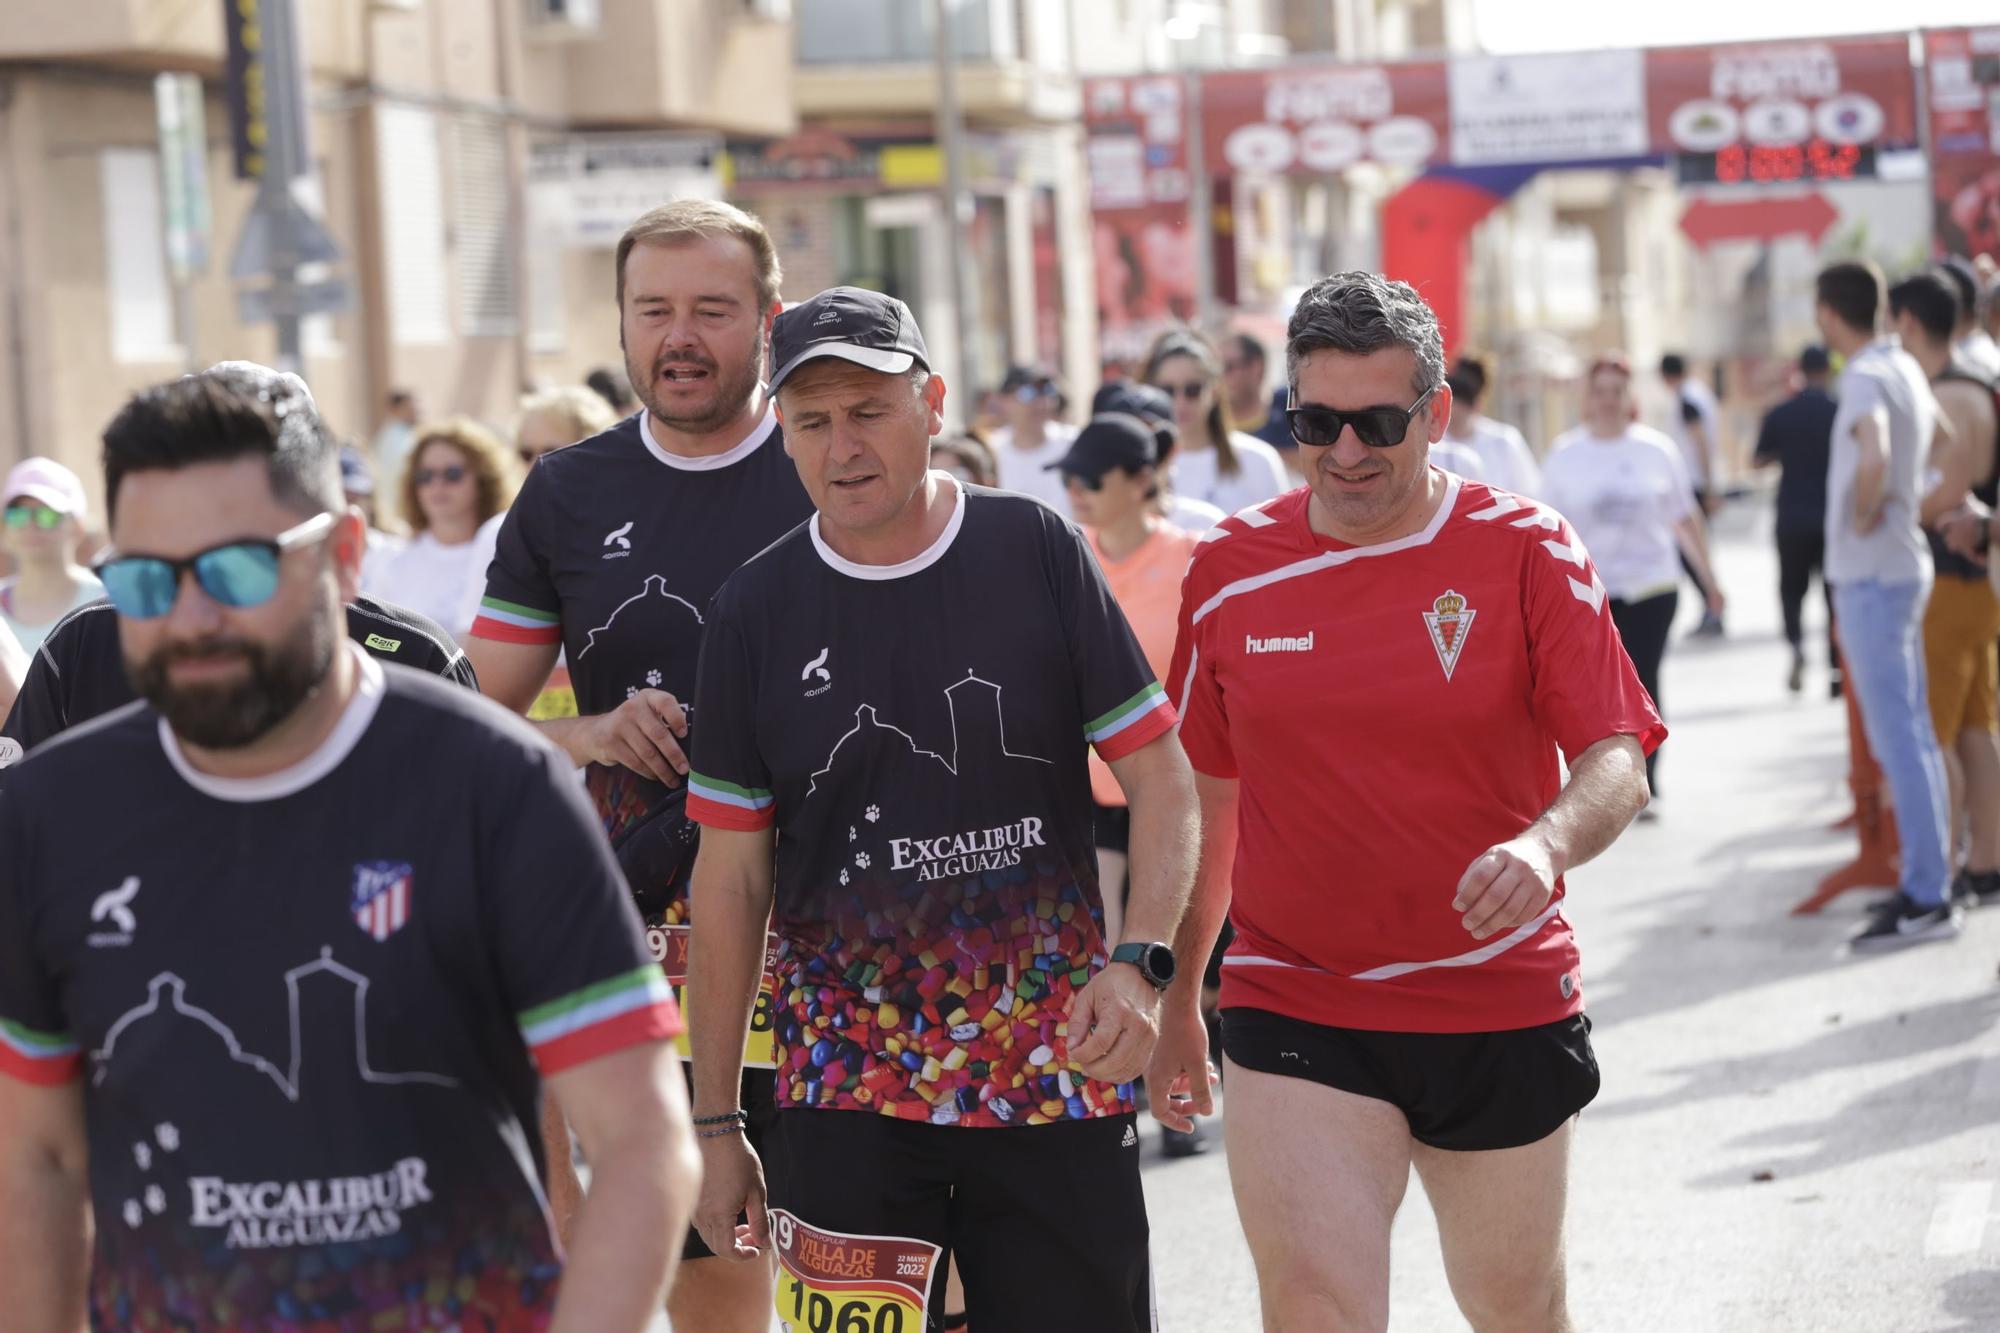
(917, 734)
(613, 549)
(309, 1009)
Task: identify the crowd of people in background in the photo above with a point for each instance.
(1182, 480)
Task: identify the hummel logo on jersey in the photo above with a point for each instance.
(817, 667)
(1280, 643)
(621, 538)
(1131, 1139)
(116, 908)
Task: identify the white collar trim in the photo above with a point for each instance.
(711, 462)
(923, 560)
(339, 743)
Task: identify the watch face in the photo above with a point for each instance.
(1159, 964)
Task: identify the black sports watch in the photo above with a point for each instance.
(1154, 961)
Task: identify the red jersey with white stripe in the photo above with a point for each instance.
(1392, 711)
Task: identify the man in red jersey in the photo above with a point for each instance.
(1375, 675)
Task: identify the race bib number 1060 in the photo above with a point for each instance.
(830, 1283)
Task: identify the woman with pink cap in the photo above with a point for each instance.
(43, 506)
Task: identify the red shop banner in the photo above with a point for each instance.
(1136, 140)
(1964, 67)
(1135, 150)
(1321, 119)
(1783, 110)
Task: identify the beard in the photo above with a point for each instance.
(728, 389)
(232, 715)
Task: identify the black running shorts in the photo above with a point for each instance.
(1047, 1222)
(1465, 1091)
(1113, 824)
(760, 1101)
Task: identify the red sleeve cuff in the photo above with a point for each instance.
(714, 814)
(660, 1021)
(499, 631)
(1140, 734)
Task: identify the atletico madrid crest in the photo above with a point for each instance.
(1450, 620)
(382, 897)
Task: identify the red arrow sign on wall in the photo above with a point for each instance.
(1707, 221)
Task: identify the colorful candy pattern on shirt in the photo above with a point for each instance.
(918, 745)
(948, 1007)
(470, 1274)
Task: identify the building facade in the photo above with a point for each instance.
(469, 157)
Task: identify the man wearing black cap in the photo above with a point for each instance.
(1154, 408)
(896, 700)
(1795, 438)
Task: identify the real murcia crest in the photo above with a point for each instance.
(1449, 621)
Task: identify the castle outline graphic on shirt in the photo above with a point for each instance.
(978, 740)
(167, 991)
(868, 717)
(654, 590)
(261, 1214)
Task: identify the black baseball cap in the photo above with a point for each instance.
(1134, 400)
(854, 324)
(1111, 440)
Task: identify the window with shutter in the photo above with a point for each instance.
(408, 167)
(136, 286)
(482, 229)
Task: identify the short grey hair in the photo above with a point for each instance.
(1356, 313)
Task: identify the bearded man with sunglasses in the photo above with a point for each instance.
(281, 975)
(1375, 674)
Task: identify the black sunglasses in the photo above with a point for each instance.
(1376, 427)
(1085, 480)
(452, 473)
(1189, 391)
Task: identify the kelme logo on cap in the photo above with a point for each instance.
(830, 315)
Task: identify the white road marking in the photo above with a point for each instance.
(1986, 1080)
(1959, 1224)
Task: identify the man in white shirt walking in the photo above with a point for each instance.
(1696, 425)
(1504, 459)
(1880, 567)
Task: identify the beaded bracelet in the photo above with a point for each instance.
(737, 1117)
(733, 1127)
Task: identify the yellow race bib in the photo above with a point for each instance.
(830, 1283)
(760, 1045)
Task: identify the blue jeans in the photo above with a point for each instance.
(1882, 649)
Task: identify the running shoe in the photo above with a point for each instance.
(1978, 888)
(1897, 922)
(1795, 680)
(1175, 1144)
(1709, 628)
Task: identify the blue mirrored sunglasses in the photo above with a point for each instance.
(238, 574)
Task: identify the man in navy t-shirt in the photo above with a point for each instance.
(894, 709)
(281, 973)
(610, 556)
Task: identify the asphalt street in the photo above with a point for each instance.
(1788, 1138)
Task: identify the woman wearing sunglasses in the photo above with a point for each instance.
(44, 508)
(459, 476)
(1213, 463)
(1625, 490)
